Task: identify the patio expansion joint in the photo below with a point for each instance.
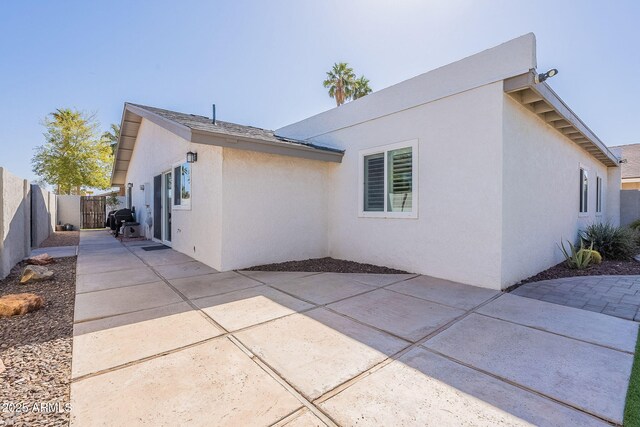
(242, 273)
(556, 333)
(345, 385)
(520, 386)
(145, 359)
(228, 335)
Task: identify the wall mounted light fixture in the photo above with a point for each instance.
(142, 187)
(192, 157)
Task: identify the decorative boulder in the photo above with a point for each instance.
(42, 259)
(35, 273)
(17, 304)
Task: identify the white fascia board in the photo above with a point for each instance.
(509, 59)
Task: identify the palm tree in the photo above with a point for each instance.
(112, 136)
(340, 82)
(360, 87)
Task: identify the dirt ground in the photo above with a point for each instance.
(36, 350)
(326, 265)
(62, 238)
(606, 268)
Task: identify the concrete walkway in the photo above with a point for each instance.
(161, 339)
(613, 295)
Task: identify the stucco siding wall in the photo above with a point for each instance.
(274, 208)
(69, 211)
(542, 193)
(457, 233)
(629, 206)
(197, 231)
(15, 231)
(43, 214)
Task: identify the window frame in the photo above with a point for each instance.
(384, 149)
(583, 203)
(181, 207)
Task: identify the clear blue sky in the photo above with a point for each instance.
(263, 62)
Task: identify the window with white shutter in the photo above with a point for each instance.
(400, 179)
(374, 183)
(598, 195)
(584, 191)
(388, 180)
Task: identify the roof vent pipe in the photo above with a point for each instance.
(213, 118)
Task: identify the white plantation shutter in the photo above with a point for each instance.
(584, 191)
(400, 180)
(374, 183)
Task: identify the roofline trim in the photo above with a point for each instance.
(198, 136)
(583, 136)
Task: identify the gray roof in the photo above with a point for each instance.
(206, 124)
(631, 152)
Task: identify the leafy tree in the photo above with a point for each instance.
(343, 84)
(361, 87)
(112, 136)
(73, 157)
(339, 81)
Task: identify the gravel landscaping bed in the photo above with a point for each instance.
(607, 268)
(62, 238)
(326, 265)
(36, 350)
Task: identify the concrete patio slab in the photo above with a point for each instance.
(137, 243)
(445, 292)
(111, 302)
(377, 280)
(162, 257)
(56, 251)
(114, 341)
(187, 269)
(213, 383)
(423, 389)
(114, 279)
(240, 309)
(402, 315)
(323, 288)
(212, 284)
(572, 322)
(269, 277)
(302, 418)
(318, 350)
(98, 243)
(108, 263)
(97, 255)
(585, 376)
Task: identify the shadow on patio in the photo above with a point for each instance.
(172, 340)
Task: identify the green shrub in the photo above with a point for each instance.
(596, 258)
(635, 225)
(615, 243)
(577, 257)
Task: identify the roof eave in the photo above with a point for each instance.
(132, 116)
(540, 99)
(264, 146)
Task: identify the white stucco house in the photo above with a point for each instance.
(472, 172)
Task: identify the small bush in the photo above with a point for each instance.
(615, 243)
(578, 258)
(635, 224)
(596, 258)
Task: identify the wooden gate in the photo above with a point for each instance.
(93, 211)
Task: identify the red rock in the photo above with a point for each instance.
(17, 304)
(42, 259)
